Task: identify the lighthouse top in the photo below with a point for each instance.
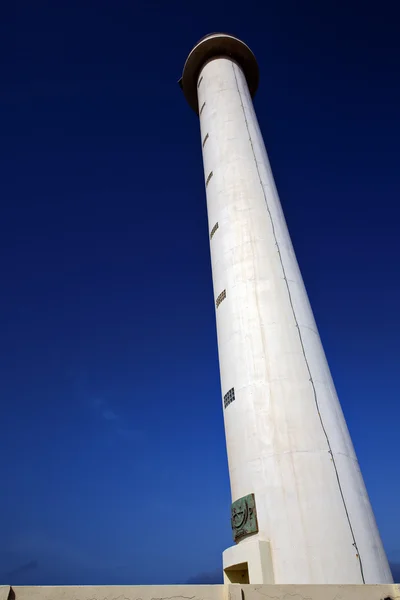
(217, 45)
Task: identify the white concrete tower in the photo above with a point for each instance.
(300, 511)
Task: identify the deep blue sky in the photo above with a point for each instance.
(113, 464)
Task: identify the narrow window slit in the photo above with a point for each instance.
(202, 108)
(208, 178)
(220, 298)
(205, 139)
(200, 80)
(213, 230)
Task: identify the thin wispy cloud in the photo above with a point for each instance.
(35, 557)
(208, 578)
(116, 421)
(21, 569)
(109, 415)
(104, 410)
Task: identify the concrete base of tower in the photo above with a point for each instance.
(248, 562)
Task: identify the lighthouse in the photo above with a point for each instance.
(300, 511)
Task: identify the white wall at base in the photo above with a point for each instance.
(203, 592)
(119, 592)
(314, 592)
(4, 592)
(257, 556)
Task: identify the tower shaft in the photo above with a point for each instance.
(287, 439)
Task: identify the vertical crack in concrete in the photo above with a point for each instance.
(299, 332)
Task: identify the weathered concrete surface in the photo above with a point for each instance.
(4, 592)
(203, 592)
(119, 592)
(314, 592)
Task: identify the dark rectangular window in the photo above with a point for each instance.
(202, 108)
(229, 397)
(208, 178)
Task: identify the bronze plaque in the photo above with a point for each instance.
(244, 517)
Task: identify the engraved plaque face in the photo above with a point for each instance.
(244, 517)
